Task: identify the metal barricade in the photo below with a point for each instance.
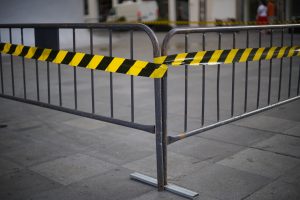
(45, 84)
(205, 97)
(22, 80)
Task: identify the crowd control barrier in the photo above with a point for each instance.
(221, 89)
(56, 86)
(248, 70)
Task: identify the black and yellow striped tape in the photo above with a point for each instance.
(76, 59)
(228, 56)
(144, 68)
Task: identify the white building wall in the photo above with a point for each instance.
(194, 11)
(41, 11)
(172, 11)
(221, 9)
(93, 15)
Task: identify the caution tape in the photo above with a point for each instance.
(144, 68)
(89, 61)
(228, 56)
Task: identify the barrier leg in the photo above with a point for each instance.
(160, 182)
(161, 147)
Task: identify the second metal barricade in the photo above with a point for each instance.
(199, 98)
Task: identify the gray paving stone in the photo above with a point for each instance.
(154, 195)
(85, 123)
(51, 115)
(223, 182)
(260, 162)
(73, 168)
(24, 184)
(267, 123)
(120, 154)
(25, 126)
(293, 131)
(292, 176)
(284, 144)
(236, 135)
(36, 152)
(277, 190)
(10, 140)
(112, 185)
(204, 149)
(286, 111)
(179, 165)
(71, 138)
(7, 166)
(120, 134)
(121, 146)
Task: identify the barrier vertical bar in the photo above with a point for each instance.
(164, 114)
(111, 78)
(185, 84)
(259, 72)
(298, 86)
(59, 81)
(75, 70)
(12, 66)
(233, 79)
(270, 69)
(159, 135)
(23, 67)
(203, 84)
(218, 80)
(280, 70)
(131, 79)
(92, 72)
(59, 84)
(48, 83)
(291, 65)
(246, 74)
(37, 80)
(160, 127)
(1, 70)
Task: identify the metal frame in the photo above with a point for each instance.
(74, 27)
(186, 31)
(156, 129)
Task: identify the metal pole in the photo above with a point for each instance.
(1, 71)
(74, 71)
(185, 85)
(218, 80)
(131, 79)
(159, 135)
(92, 72)
(12, 66)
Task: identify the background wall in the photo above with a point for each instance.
(41, 11)
(221, 9)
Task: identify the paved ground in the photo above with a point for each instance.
(46, 154)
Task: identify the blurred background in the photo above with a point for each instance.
(47, 11)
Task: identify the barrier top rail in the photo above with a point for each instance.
(116, 26)
(135, 26)
(187, 30)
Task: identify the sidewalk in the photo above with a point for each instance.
(45, 154)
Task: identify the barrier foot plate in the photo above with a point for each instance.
(170, 187)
